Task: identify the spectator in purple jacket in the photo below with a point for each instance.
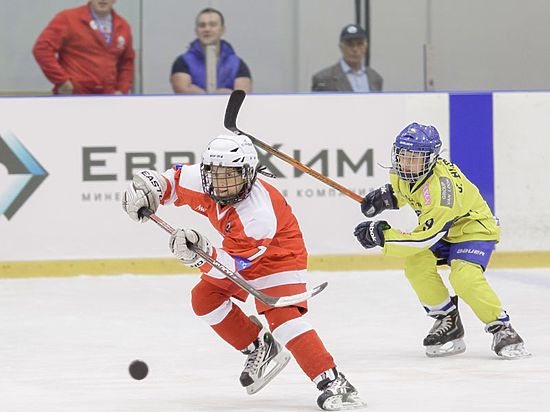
(189, 69)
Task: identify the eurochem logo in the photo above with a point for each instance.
(25, 174)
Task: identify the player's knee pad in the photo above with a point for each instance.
(470, 284)
(277, 316)
(287, 323)
(290, 329)
(415, 266)
(465, 276)
(206, 297)
(410, 268)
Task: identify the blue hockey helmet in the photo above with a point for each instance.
(415, 151)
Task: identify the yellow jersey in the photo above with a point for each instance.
(448, 207)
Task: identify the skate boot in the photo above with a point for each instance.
(264, 361)
(338, 394)
(506, 341)
(445, 336)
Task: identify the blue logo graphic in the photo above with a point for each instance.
(26, 174)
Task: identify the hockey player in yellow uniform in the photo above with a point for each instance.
(455, 226)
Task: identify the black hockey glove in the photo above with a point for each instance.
(371, 233)
(379, 200)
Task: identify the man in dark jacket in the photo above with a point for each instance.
(350, 74)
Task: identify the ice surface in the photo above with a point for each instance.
(66, 343)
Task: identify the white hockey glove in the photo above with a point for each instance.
(146, 190)
(179, 244)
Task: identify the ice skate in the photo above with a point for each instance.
(339, 395)
(506, 341)
(264, 362)
(445, 336)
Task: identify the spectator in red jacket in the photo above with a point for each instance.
(87, 50)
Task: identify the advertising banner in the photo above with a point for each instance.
(64, 162)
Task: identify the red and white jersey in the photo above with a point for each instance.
(261, 236)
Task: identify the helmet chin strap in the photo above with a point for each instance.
(221, 201)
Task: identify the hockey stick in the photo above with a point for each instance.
(273, 301)
(231, 112)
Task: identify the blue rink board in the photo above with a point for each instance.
(471, 140)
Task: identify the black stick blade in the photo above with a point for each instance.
(232, 110)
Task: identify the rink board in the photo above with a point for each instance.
(170, 266)
(70, 216)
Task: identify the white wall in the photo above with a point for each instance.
(477, 45)
(522, 156)
(69, 218)
(491, 45)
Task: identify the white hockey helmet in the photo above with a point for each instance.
(229, 151)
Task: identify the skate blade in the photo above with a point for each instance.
(279, 362)
(453, 347)
(336, 403)
(512, 352)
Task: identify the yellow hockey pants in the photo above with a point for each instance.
(466, 278)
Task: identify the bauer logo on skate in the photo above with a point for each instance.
(25, 174)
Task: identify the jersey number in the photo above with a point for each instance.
(428, 224)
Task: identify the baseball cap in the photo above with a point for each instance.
(352, 31)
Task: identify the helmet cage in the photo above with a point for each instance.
(247, 175)
(401, 156)
(239, 160)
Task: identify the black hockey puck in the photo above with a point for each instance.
(138, 370)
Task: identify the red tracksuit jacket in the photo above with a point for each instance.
(72, 48)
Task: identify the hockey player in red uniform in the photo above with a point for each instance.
(263, 243)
